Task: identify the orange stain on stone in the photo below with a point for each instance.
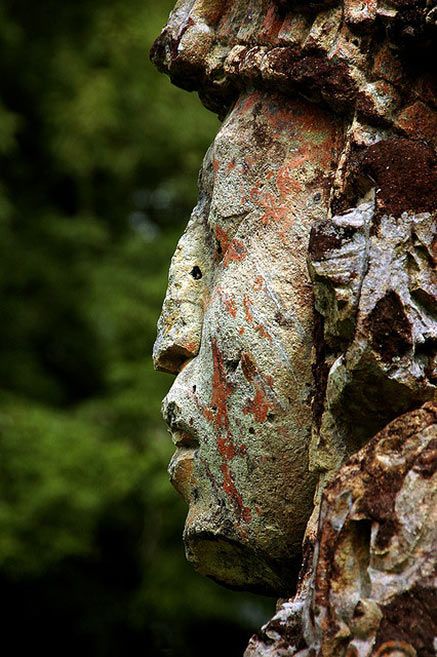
(244, 513)
(272, 213)
(286, 177)
(236, 252)
(259, 283)
(254, 194)
(208, 414)
(248, 366)
(230, 307)
(271, 24)
(221, 389)
(222, 237)
(227, 301)
(249, 103)
(262, 331)
(259, 406)
(228, 449)
(247, 309)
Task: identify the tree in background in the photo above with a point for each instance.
(97, 177)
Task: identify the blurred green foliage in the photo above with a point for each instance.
(99, 158)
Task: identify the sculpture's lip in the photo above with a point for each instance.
(180, 470)
(181, 454)
(183, 438)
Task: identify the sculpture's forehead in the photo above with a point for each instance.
(268, 149)
(260, 129)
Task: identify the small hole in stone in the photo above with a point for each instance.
(270, 417)
(194, 388)
(251, 430)
(219, 248)
(214, 408)
(359, 610)
(231, 365)
(196, 273)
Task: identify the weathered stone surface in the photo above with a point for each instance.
(376, 288)
(325, 49)
(240, 409)
(301, 316)
(368, 589)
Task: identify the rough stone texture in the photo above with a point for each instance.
(350, 55)
(376, 288)
(301, 316)
(368, 590)
(239, 307)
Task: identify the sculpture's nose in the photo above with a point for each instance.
(180, 323)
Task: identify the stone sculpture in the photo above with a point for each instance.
(300, 317)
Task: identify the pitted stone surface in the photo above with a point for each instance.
(376, 287)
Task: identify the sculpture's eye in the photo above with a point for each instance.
(196, 273)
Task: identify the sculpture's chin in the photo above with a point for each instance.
(238, 566)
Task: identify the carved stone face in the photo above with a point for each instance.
(237, 328)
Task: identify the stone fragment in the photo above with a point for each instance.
(335, 53)
(360, 13)
(338, 258)
(377, 101)
(323, 32)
